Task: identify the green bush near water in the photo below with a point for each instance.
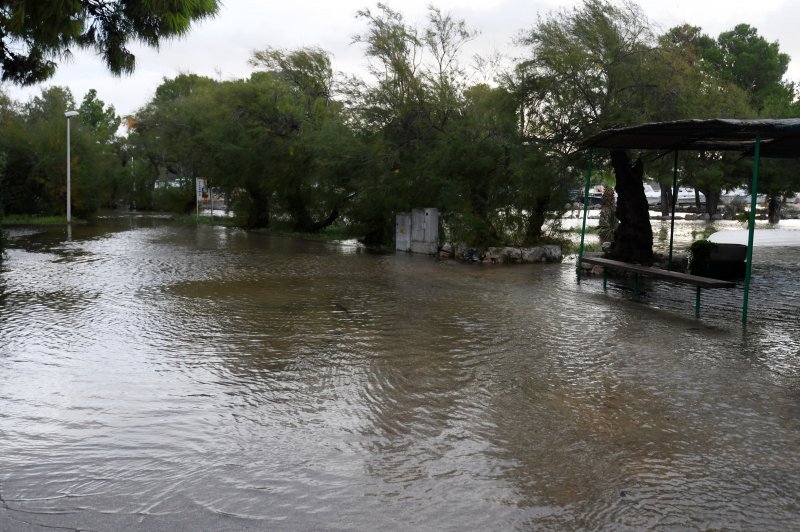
(700, 258)
(32, 219)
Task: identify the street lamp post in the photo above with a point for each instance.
(69, 114)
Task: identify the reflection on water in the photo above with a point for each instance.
(155, 375)
(686, 231)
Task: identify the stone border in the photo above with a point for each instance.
(502, 255)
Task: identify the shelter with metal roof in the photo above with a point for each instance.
(756, 138)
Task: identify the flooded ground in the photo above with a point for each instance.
(162, 376)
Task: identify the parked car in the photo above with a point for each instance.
(739, 194)
(686, 196)
(653, 195)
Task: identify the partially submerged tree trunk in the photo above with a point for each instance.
(378, 234)
(633, 239)
(298, 210)
(332, 217)
(774, 208)
(712, 201)
(666, 199)
(536, 220)
(608, 216)
(256, 208)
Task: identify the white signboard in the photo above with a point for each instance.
(201, 186)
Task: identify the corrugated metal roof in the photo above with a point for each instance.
(780, 137)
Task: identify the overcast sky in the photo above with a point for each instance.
(220, 48)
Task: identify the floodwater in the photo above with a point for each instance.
(160, 376)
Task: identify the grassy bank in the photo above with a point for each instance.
(33, 219)
(329, 234)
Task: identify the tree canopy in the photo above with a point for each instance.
(35, 34)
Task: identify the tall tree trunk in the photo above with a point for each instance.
(332, 217)
(536, 219)
(257, 207)
(379, 232)
(666, 199)
(296, 205)
(712, 201)
(774, 208)
(633, 239)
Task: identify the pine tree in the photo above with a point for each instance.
(34, 34)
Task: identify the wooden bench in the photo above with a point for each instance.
(638, 270)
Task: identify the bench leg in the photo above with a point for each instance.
(636, 287)
(697, 303)
(605, 278)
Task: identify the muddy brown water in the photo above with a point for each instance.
(162, 376)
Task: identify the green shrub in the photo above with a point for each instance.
(174, 199)
(700, 258)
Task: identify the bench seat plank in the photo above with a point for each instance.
(702, 282)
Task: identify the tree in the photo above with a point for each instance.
(277, 142)
(589, 69)
(19, 192)
(753, 63)
(33, 143)
(322, 153)
(35, 34)
(2, 233)
(411, 111)
(102, 119)
(163, 146)
(738, 75)
(472, 166)
(699, 89)
(600, 66)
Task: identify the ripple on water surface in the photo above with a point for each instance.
(157, 375)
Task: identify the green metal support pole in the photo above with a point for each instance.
(585, 212)
(751, 228)
(697, 303)
(674, 201)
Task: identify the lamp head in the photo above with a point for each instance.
(70, 114)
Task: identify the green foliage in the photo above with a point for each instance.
(601, 65)
(2, 233)
(297, 145)
(700, 257)
(36, 33)
(162, 146)
(174, 199)
(27, 219)
(691, 84)
(277, 143)
(588, 69)
(444, 143)
(102, 119)
(33, 141)
(752, 63)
